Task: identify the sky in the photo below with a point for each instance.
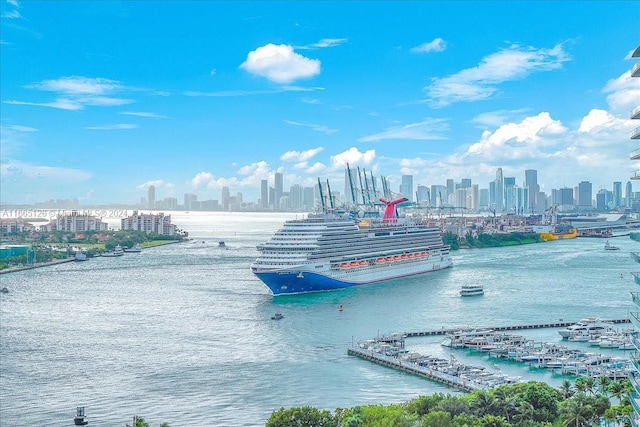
(100, 99)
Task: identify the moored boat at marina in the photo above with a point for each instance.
(134, 248)
(117, 251)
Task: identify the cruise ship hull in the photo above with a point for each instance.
(305, 279)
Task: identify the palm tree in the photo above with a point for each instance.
(504, 401)
(482, 403)
(566, 389)
(576, 411)
(603, 384)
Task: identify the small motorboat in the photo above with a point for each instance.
(609, 247)
(80, 419)
(222, 245)
(277, 316)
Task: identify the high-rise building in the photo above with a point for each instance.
(225, 198)
(278, 190)
(422, 194)
(308, 198)
(585, 194)
(450, 189)
(627, 194)
(190, 201)
(617, 194)
(406, 188)
(264, 194)
(465, 183)
(295, 197)
(151, 196)
(563, 197)
(499, 188)
(510, 195)
(531, 182)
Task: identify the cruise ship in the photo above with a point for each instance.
(332, 250)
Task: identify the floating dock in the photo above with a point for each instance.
(415, 369)
(559, 324)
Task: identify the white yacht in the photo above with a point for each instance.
(588, 325)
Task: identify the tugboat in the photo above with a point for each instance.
(80, 419)
(277, 316)
(222, 245)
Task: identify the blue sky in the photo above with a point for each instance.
(101, 99)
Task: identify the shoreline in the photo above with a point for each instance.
(62, 261)
(36, 265)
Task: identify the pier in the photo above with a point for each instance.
(559, 324)
(390, 351)
(415, 369)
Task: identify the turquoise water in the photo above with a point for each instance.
(183, 333)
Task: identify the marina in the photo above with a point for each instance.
(391, 351)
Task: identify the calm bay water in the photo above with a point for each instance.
(182, 333)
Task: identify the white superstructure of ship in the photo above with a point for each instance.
(336, 249)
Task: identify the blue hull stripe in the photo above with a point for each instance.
(286, 283)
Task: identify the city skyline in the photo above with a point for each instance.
(236, 93)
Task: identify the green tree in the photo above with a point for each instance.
(381, 416)
(576, 412)
(566, 388)
(436, 419)
(424, 404)
(305, 416)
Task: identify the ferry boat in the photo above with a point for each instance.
(332, 250)
(471, 290)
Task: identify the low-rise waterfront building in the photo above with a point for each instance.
(75, 222)
(158, 223)
(15, 225)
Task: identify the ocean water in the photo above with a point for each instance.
(183, 333)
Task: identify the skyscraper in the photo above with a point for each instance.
(585, 194)
(264, 193)
(406, 188)
(151, 196)
(531, 182)
(627, 194)
(225, 196)
(499, 184)
(617, 194)
(278, 190)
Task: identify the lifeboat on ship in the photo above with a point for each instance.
(344, 265)
(363, 263)
(353, 264)
(381, 260)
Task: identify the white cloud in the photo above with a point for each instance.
(428, 129)
(118, 126)
(280, 64)
(77, 92)
(14, 14)
(598, 120)
(624, 93)
(212, 72)
(201, 180)
(496, 118)
(317, 128)
(77, 85)
(19, 128)
(300, 156)
(230, 93)
(517, 140)
(158, 183)
(354, 157)
(143, 114)
(478, 83)
(14, 171)
(13, 3)
(435, 45)
(323, 43)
